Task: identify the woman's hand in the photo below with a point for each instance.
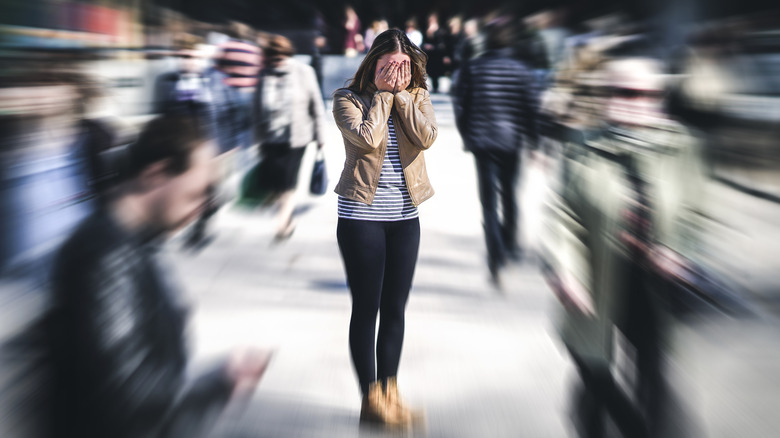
(404, 77)
(386, 78)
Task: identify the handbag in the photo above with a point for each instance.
(254, 191)
(319, 176)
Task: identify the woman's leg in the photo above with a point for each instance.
(291, 166)
(362, 245)
(285, 223)
(403, 243)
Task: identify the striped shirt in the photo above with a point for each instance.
(391, 201)
(241, 61)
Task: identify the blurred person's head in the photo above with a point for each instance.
(471, 27)
(190, 58)
(277, 50)
(433, 19)
(350, 13)
(500, 33)
(411, 24)
(390, 45)
(455, 24)
(636, 88)
(380, 26)
(169, 172)
(241, 31)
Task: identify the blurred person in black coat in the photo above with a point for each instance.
(495, 112)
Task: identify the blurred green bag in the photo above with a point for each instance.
(253, 192)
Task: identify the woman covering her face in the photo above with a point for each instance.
(386, 119)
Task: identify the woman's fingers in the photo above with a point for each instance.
(390, 72)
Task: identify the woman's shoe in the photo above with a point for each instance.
(398, 412)
(374, 409)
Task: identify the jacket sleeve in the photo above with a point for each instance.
(316, 106)
(417, 120)
(461, 101)
(530, 110)
(367, 133)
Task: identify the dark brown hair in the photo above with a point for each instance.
(277, 45)
(390, 41)
(167, 137)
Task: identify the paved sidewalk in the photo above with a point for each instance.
(482, 363)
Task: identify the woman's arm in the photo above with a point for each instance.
(316, 106)
(367, 133)
(418, 121)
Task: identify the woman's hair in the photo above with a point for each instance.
(390, 41)
(277, 45)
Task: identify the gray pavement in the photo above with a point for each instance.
(481, 363)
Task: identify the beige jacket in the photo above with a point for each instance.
(362, 119)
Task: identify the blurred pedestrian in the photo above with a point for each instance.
(116, 329)
(435, 46)
(453, 39)
(472, 44)
(290, 115)
(413, 33)
(495, 110)
(386, 119)
(377, 27)
(353, 33)
(186, 90)
(228, 117)
(627, 226)
(241, 59)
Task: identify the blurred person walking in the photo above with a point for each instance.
(386, 119)
(116, 328)
(435, 46)
(626, 230)
(495, 110)
(353, 33)
(377, 27)
(241, 59)
(413, 33)
(186, 90)
(290, 115)
(230, 82)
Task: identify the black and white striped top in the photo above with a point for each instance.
(391, 201)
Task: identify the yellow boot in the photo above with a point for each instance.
(398, 413)
(374, 408)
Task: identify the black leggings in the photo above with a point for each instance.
(379, 259)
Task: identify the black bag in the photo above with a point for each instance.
(319, 176)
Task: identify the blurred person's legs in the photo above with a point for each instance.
(488, 170)
(285, 221)
(508, 172)
(284, 164)
(218, 194)
(602, 396)
(641, 326)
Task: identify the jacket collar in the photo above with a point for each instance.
(504, 52)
